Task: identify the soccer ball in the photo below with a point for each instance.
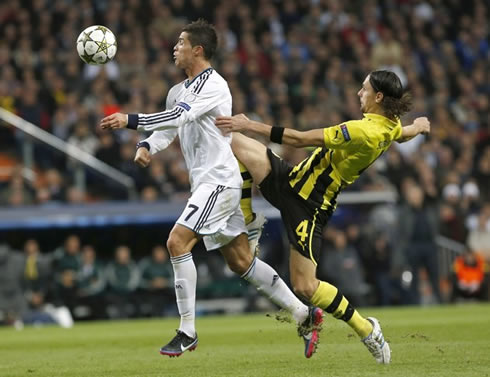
(96, 45)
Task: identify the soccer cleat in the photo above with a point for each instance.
(309, 330)
(376, 344)
(179, 344)
(254, 230)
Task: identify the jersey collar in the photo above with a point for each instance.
(188, 82)
(381, 118)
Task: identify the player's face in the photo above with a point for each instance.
(367, 96)
(183, 51)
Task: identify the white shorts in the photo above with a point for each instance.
(214, 212)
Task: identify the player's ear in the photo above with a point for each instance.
(196, 50)
(379, 97)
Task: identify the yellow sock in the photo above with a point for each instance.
(246, 200)
(332, 301)
(360, 325)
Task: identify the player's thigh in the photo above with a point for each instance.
(181, 240)
(228, 228)
(209, 206)
(303, 224)
(213, 212)
(253, 155)
(203, 214)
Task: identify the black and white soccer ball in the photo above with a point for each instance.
(96, 45)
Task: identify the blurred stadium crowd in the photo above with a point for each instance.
(72, 276)
(295, 63)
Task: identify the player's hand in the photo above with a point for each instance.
(236, 123)
(423, 125)
(114, 121)
(143, 157)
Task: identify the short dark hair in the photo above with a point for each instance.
(395, 102)
(202, 33)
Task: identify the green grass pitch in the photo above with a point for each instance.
(435, 341)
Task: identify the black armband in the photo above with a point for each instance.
(143, 144)
(276, 134)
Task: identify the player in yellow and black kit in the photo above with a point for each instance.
(306, 194)
(309, 190)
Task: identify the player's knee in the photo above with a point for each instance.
(173, 245)
(304, 288)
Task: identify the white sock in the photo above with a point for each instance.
(265, 279)
(185, 279)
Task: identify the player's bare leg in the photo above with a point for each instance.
(255, 165)
(266, 280)
(303, 275)
(236, 254)
(329, 298)
(262, 276)
(253, 221)
(253, 155)
(301, 266)
(181, 240)
(179, 244)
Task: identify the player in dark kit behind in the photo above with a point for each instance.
(306, 194)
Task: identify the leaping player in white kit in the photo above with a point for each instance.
(213, 212)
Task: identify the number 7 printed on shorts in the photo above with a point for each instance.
(194, 209)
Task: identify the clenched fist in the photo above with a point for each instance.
(423, 125)
(143, 157)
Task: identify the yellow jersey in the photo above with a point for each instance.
(349, 149)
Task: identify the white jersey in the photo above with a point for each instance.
(192, 107)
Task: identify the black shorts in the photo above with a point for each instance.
(303, 222)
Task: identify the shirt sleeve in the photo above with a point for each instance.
(159, 140)
(343, 136)
(195, 104)
(398, 130)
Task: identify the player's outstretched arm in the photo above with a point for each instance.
(298, 139)
(419, 126)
